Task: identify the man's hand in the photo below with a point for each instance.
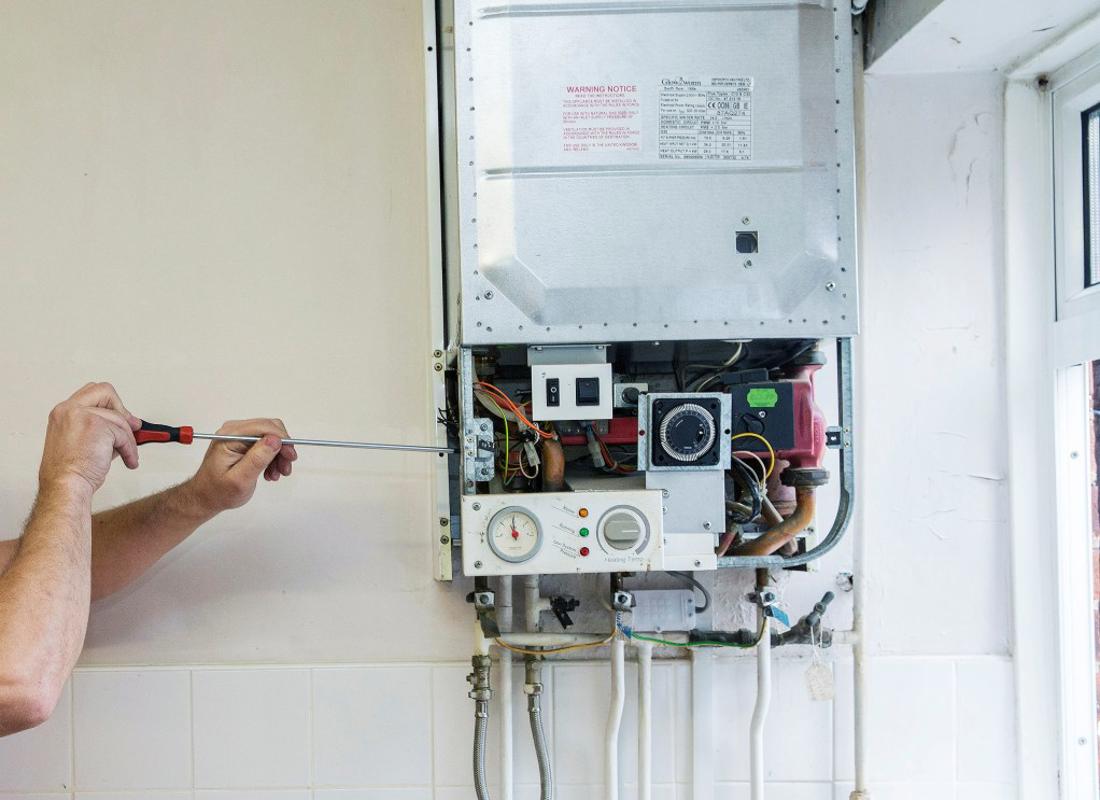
(84, 434)
(230, 470)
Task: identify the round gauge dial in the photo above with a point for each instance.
(514, 535)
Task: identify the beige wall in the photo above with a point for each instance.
(221, 208)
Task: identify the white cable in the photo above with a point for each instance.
(760, 710)
(504, 618)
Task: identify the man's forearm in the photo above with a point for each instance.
(128, 540)
(44, 595)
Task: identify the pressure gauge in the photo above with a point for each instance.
(514, 535)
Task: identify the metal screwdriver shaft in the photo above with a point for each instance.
(413, 448)
(185, 434)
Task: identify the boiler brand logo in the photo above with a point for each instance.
(606, 88)
(679, 82)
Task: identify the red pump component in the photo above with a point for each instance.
(784, 412)
(620, 430)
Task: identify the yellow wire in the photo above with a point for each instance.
(767, 444)
(555, 650)
(507, 449)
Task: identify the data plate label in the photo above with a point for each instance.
(705, 119)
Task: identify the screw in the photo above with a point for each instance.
(469, 484)
(1073, 454)
(438, 367)
(485, 426)
(1081, 740)
(477, 565)
(745, 220)
(830, 286)
(748, 263)
(437, 354)
(477, 506)
(489, 295)
(762, 414)
(706, 527)
(444, 539)
(444, 522)
(665, 493)
(698, 563)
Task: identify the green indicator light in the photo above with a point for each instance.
(584, 531)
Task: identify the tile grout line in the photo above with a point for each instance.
(309, 731)
(431, 727)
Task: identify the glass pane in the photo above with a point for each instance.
(1091, 125)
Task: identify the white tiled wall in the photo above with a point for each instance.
(940, 727)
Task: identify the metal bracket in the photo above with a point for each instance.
(477, 449)
(622, 601)
(834, 437)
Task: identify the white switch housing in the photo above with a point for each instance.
(567, 376)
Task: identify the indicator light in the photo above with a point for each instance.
(584, 531)
(583, 513)
(584, 551)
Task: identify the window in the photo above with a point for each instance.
(1090, 120)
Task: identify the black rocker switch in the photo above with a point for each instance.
(553, 392)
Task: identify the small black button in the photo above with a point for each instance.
(588, 391)
(752, 423)
(553, 392)
(747, 242)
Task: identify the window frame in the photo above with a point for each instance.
(1052, 331)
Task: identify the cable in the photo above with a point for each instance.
(510, 404)
(554, 650)
(763, 469)
(692, 580)
(751, 482)
(767, 444)
(759, 636)
(507, 447)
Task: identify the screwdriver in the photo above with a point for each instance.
(185, 434)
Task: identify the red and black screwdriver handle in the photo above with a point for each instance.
(152, 432)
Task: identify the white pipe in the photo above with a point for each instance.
(504, 619)
(860, 670)
(551, 639)
(760, 710)
(615, 718)
(533, 604)
(645, 719)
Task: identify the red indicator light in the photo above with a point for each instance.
(584, 551)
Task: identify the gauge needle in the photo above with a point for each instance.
(515, 533)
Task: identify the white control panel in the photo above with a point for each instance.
(557, 533)
(571, 391)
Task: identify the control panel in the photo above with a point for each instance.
(571, 391)
(558, 533)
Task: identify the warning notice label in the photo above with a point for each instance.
(706, 119)
(601, 117)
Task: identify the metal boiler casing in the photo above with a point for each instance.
(651, 169)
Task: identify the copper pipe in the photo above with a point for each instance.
(553, 466)
(786, 530)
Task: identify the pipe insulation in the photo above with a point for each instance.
(615, 718)
(760, 709)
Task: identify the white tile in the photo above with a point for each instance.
(797, 732)
(910, 723)
(377, 794)
(908, 790)
(987, 791)
(581, 700)
(141, 795)
(663, 706)
(251, 728)
(681, 687)
(453, 728)
(986, 720)
(35, 796)
(133, 729)
(372, 726)
(40, 759)
(776, 791)
(252, 794)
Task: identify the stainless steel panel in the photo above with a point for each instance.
(578, 221)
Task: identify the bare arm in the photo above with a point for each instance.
(46, 586)
(128, 540)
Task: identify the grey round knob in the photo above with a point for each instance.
(624, 528)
